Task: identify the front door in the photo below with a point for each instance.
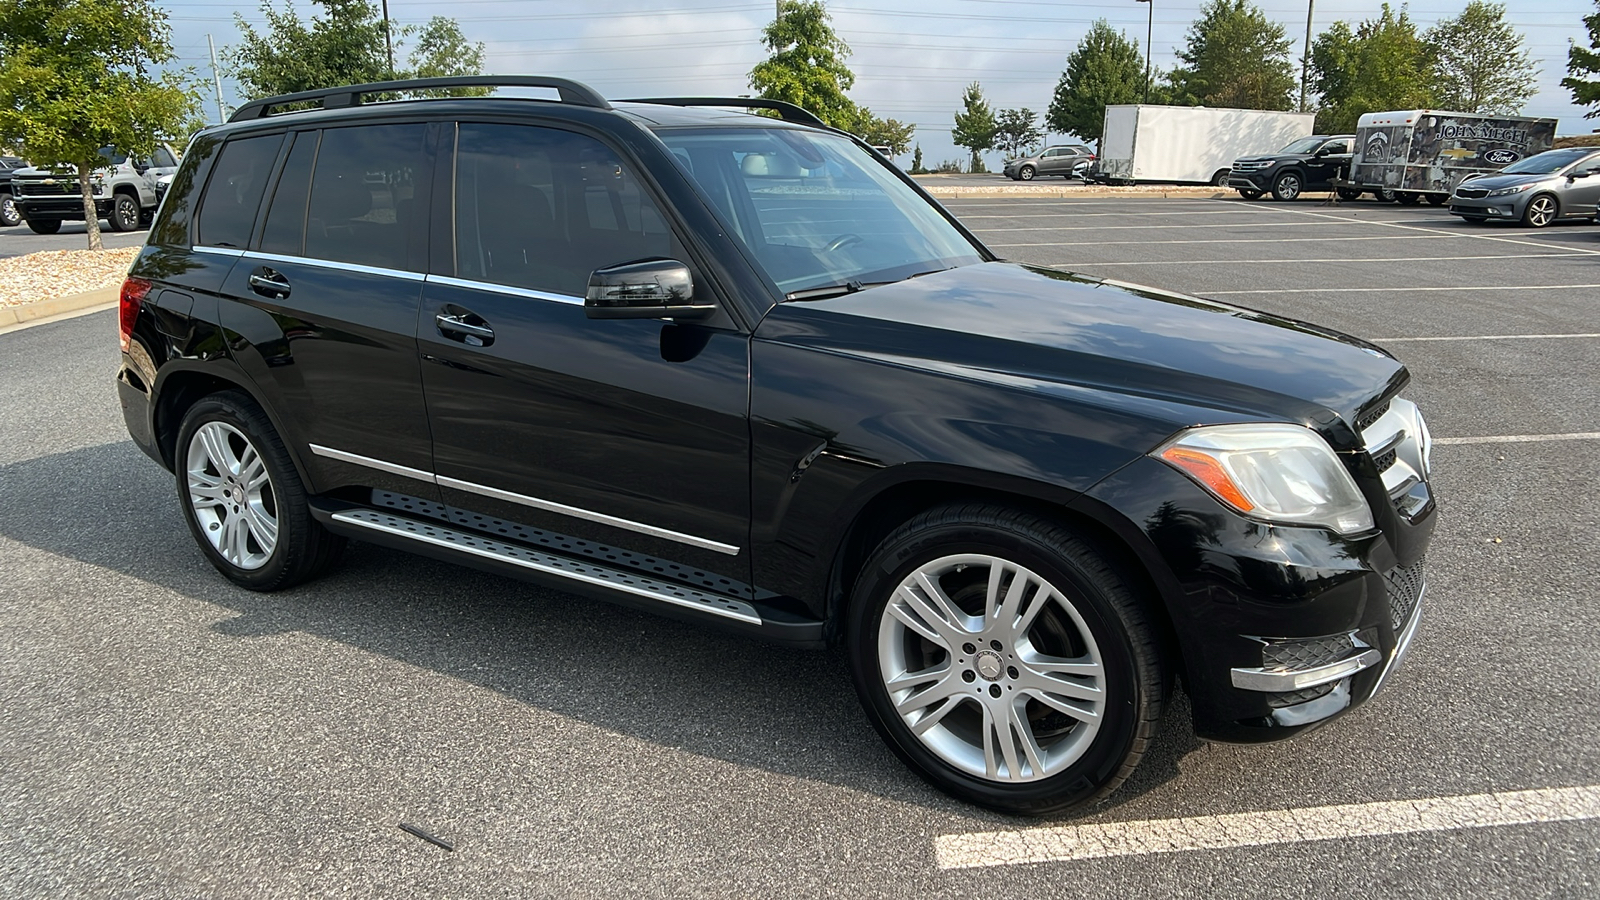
(1334, 162)
(1579, 195)
(629, 436)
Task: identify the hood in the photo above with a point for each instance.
(58, 172)
(1192, 360)
(1503, 181)
(1275, 157)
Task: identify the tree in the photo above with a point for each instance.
(1103, 70)
(1585, 61)
(916, 162)
(1235, 57)
(891, 133)
(1016, 130)
(806, 66)
(76, 76)
(1466, 78)
(1382, 64)
(345, 45)
(975, 125)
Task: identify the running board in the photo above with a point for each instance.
(550, 564)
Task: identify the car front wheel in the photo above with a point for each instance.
(124, 213)
(1249, 194)
(8, 211)
(1541, 211)
(1025, 173)
(242, 497)
(1287, 187)
(1004, 660)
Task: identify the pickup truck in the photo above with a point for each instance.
(124, 191)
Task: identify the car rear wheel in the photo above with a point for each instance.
(1004, 660)
(8, 211)
(1541, 211)
(242, 497)
(1220, 178)
(1288, 186)
(1025, 173)
(124, 213)
(44, 226)
(1249, 194)
(1349, 194)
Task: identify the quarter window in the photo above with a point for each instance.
(234, 192)
(365, 194)
(542, 209)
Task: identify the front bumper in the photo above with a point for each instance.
(1253, 181)
(66, 207)
(1280, 628)
(1507, 207)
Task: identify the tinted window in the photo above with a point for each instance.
(364, 197)
(113, 156)
(163, 157)
(234, 192)
(1337, 146)
(285, 231)
(542, 209)
(171, 228)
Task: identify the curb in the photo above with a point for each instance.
(29, 313)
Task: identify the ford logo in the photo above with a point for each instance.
(1501, 157)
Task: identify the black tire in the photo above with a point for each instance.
(1116, 630)
(124, 214)
(1385, 195)
(1407, 198)
(1288, 186)
(1025, 173)
(9, 215)
(1349, 194)
(1541, 210)
(44, 226)
(1437, 199)
(1475, 220)
(1220, 179)
(1249, 194)
(302, 548)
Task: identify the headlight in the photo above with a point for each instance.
(1501, 192)
(1281, 473)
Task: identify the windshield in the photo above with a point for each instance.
(1304, 145)
(814, 209)
(113, 156)
(1546, 163)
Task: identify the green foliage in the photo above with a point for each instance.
(948, 167)
(891, 133)
(1234, 57)
(1105, 69)
(1016, 130)
(975, 125)
(1480, 62)
(1583, 61)
(75, 76)
(916, 162)
(806, 66)
(1382, 64)
(345, 45)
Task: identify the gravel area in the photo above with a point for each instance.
(60, 273)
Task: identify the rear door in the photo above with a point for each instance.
(629, 435)
(322, 305)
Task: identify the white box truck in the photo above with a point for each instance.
(1194, 144)
(1415, 154)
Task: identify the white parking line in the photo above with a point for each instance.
(1232, 262)
(1117, 215)
(1459, 234)
(1189, 225)
(1521, 438)
(1487, 337)
(1258, 829)
(1375, 290)
(1379, 237)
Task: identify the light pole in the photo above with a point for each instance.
(1305, 54)
(1149, 27)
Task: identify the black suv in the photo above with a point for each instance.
(1309, 164)
(741, 370)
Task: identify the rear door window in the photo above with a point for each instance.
(233, 194)
(285, 231)
(364, 197)
(541, 208)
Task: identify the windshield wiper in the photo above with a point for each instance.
(849, 287)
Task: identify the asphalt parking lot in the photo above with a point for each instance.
(19, 240)
(163, 733)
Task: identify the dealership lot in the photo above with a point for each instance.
(165, 733)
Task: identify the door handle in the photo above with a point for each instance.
(268, 283)
(457, 328)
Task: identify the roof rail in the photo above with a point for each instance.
(788, 111)
(573, 92)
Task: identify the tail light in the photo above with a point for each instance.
(134, 290)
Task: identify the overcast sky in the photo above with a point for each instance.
(911, 59)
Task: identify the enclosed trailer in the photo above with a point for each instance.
(1412, 154)
(1195, 144)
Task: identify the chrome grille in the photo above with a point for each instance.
(1371, 416)
(1395, 437)
(40, 189)
(1250, 165)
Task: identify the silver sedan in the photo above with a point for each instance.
(1555, 184)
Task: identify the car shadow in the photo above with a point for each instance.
(657, 679)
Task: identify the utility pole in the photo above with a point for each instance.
(388, 41)
(1149, 58)
(216, 80)
(1305, 55)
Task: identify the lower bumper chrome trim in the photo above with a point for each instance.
(1285, 680)
(1403, 643)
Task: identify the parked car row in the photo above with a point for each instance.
(126, 191)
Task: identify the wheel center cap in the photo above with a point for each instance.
(989, 665)
(238, 495)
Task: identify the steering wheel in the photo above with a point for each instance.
(842, 241)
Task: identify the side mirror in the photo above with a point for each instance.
(1583, 173)
(647, 289)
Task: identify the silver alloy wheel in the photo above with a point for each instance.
(232, 496)
(1025, 173)
(980, 678)
(1541, 210)
(8, 211)
(1288, 187)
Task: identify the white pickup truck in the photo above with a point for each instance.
(124, 191)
